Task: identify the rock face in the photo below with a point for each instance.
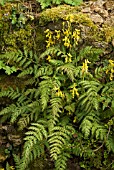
(96, 18)
(10, 140)
(100, 11)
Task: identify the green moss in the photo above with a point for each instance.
(62, 12)
(5, 10)
(39, 39)
(16, 39)
(57, 13)
(108, 33)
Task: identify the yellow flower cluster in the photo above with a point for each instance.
(85, 66)
(67, 35)
(48, 58)
(50, 40)
(111, 69)
(74, 90)
(59, 93)
(68, 58)
(58, 34)
(76, 36)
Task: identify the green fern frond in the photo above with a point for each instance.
(45, 87)
(91, 84)
(34, 110)
(107, 95)
(50, 51)
(44, 71)
(86, 127)
(12, 94)
(90, 53)
(8, 110)
(110, 143)
(56, 62)
(13, 111)
(70, 108)
(61, 162)
(8, 55)
(28, 71)
(34, 145)
(19, 110)
(91, 126)
(56, 106)
(23, 122)
(17, 160)
(99, 131)
(99, 71)
(31, 81)
(90, 98)
(69, 69)
(84, 53)
(63, 134)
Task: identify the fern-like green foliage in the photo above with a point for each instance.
(61, 162)
(91, 126)
(59, 138)
(89, 99)
(34, 143)
(8, 70)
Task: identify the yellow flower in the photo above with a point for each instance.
(85, 66)
(58, 34)
(68, 58)
(66, 42)
(74, 121)
(111, 62)
(107, 71)
(76, 36)
(59, 93)
(47, 30)
(110, 69)
(74, 90)
(49, 40)
(12, 168)
(48, 58)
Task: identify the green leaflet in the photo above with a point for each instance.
(46, 3)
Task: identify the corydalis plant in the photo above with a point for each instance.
(65, 107)
(67, 36)
(67, 40)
